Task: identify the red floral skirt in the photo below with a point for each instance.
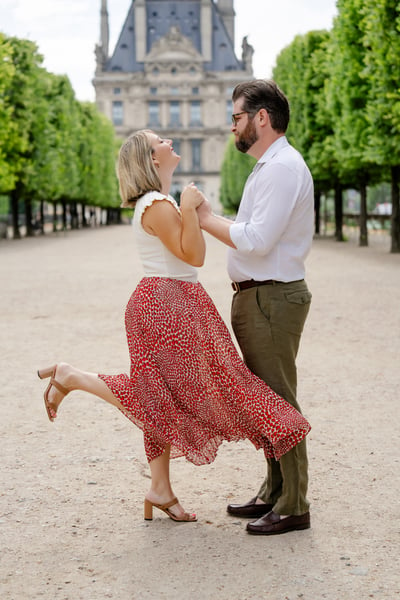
(188, 385)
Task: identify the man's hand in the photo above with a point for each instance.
(216, 225)
(204, 211)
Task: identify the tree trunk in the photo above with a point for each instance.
(73, 211)
(325, 213)
(338, 213)
(83, 216)
(363, 241)
(41, 217)
(64, 215)
(395, 223)
(28, 218)
(14, 213)
(317, 208)
(55, 216)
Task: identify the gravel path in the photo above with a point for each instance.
(71, 521)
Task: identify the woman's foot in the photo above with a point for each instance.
(58, 387)
(176, 512)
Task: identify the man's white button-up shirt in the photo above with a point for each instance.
(274, 226)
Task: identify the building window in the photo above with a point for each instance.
(117, 112)
(153, 91)
(195, 91)
(176, 190)
(195, 112)
(174, 113)
(196, 155)
(229, 111)
(174, 91)
(154, 113)
(177, 148)
(117, 91)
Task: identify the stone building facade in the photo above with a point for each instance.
(173, 70)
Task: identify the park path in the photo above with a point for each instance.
(71, 523)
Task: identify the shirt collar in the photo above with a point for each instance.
(273, 149)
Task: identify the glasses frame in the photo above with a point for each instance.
(236, 115)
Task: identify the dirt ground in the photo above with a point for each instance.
(71, 498)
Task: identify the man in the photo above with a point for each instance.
(269, 241)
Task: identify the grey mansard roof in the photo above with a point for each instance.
(161, 16)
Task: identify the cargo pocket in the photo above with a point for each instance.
(293, 311)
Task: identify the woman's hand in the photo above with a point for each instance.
(178, 230)
(191, 197)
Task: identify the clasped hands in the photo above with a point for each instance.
(192, 197)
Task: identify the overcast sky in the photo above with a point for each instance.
(66, 31)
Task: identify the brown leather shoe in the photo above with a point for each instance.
(250, 509)
(272, 524)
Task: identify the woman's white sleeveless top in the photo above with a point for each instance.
(157, 260)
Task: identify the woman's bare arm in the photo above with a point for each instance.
(215, 225)
(179, 232)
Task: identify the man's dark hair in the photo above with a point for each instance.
(264, 93)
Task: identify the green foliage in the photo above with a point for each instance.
(381, 38)
(344, 91)
(234, 171)
(53, 170)
(302, 71)
(98, 154)
(378, 194)
(294, 72)
(381, 29)
(7, 71)
(52, 147)
(4, 206)
(21, 64)
(346, 95)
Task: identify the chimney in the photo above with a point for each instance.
(104, 30)
(225, 8)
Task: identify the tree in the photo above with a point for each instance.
(98, 154)
(301, 70)
(380, 24)
(7, 126)
(19, 98)
(52, 148)
(346, 95)
(53, 168)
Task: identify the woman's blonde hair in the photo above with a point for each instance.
(136, 171)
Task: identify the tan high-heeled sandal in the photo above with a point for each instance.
(44, 374)
(148, 511)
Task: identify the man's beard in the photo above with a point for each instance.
(247, 138)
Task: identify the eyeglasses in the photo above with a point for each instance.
(236, 115)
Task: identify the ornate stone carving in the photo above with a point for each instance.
(172, 48)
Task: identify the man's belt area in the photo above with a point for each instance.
(245, 285)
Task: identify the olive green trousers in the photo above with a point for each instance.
(268, 321)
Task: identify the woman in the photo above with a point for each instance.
(188, 389)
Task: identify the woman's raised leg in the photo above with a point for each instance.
(64, 379)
